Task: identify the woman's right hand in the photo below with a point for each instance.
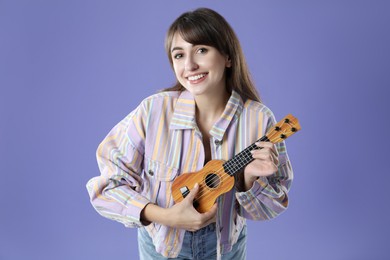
(184, 215)
(181, 215)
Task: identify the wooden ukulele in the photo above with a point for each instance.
(217, 176)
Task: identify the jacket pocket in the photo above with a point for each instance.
(159, 170)
(161, 177)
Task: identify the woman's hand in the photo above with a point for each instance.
(181, 215)
(264, 164)
(184, 215)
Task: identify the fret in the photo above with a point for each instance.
(242, 159)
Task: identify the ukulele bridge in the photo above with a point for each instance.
(184, 191)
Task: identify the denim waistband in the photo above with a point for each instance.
(204, 230)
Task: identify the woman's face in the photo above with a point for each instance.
(199, 68)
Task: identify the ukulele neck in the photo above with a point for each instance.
(279, 132)
(242, 159)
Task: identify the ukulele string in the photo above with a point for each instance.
(205, 190)
(217, 181)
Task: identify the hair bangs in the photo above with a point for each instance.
(196, 32)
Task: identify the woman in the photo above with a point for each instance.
(213, 112)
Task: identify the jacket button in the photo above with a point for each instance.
(151, 173)
(218, 142)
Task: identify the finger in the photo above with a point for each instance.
(275, 160)
(213, 210)
(262, 150)
(266, 157)
(275, 155)
(211, 220)
(274, 150)
(262, 155)
(211, 213)
(193, 192)
(265, 153)
(264, 144)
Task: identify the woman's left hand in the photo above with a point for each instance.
(264, 164)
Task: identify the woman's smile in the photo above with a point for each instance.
(195, 79)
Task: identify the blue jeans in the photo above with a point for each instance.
(201, 244)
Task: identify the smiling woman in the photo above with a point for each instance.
(200, 69)
(212, 112)
(208, 28)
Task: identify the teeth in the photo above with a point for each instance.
(196, 77)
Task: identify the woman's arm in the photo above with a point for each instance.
(115, 194)
(264, 184)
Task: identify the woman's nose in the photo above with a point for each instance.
(190, 64)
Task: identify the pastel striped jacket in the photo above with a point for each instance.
(159, 140)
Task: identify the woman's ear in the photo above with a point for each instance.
(228, 62)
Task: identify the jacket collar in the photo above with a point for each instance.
(184, 114)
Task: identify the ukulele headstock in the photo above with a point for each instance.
(286, 127)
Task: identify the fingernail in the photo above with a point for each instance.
(196, 185)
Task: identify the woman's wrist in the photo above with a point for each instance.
(248, 181)
(153, 213)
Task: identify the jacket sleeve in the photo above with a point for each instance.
(268, 196)
(115, 193)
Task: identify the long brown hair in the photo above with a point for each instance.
(204, 26)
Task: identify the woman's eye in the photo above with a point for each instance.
(178, 56)
(202, 50)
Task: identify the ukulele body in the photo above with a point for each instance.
(213, 181)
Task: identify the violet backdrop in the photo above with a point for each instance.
(70, 70)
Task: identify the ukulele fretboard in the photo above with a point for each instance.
(242, 159)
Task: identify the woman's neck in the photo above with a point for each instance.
(209, 109)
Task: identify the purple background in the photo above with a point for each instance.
(70, 70)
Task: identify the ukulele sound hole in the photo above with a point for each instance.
(212, 180)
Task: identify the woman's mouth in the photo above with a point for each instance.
(197, 78)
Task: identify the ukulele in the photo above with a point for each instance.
(217, 176)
